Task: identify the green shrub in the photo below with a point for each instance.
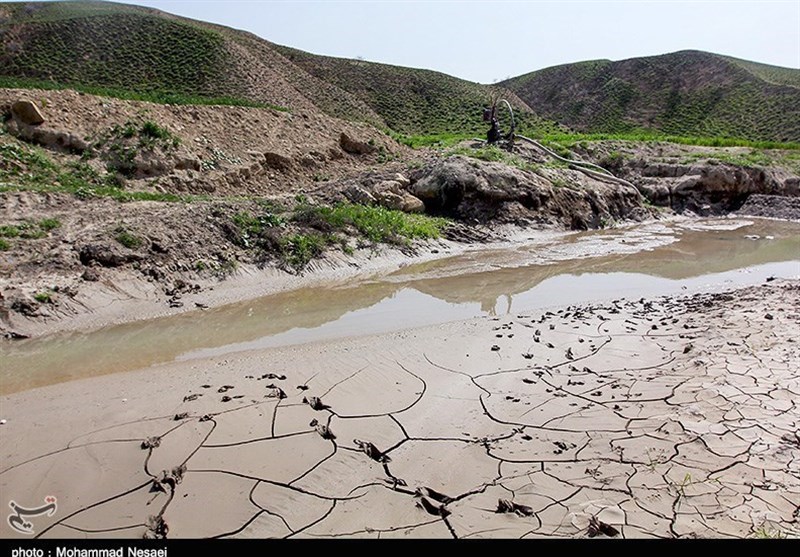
(9, 231)
(49, 224)
(297, 250)
(127, 239)
(42, 297)
(377, 224)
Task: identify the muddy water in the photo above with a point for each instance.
(545, 271)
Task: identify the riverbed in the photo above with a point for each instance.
(545, 270)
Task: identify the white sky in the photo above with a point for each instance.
(486, 41)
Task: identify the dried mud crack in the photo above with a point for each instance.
(669, 417)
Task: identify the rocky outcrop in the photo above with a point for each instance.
(27, 113)
(707, 187)
(354, 146)
(278, 162)
(771, 206)
(105, 256)
(59, 140)
(492, 192)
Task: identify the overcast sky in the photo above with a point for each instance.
(487, 41)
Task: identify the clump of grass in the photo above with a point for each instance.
(377, 224)
(613, 161)
(253, 228)
(766, 533)
(29, 230)
(43, 297)
(127, 239)
(9, 231)
(120, 144)
(4, 245)
(298, 250)
(49, 224)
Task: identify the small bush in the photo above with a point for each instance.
(375, 223)
(42, 297)
(127, 239)
(297, 250)
(4, 245)
(49, 224)
(9, 231)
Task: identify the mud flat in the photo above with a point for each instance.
(660, 417)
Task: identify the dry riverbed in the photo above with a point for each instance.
(663, 417)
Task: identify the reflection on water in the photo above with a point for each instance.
(645, 260)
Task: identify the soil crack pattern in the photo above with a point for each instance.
(663, 418)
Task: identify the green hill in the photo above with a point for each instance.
(685, 93)
(143, 53)
(412, 101)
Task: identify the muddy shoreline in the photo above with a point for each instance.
(662, 417)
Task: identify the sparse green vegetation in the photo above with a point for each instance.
(26, 167)
(298, 250)
(127, 239)
(153, 97)
(29, 230)
(376, 224)
(122, 50)
(4, 244)
(297, 238)
(9, 231)
(490, 153)
(49, 224)
(43, 297)
(434, 140)
(569, 140)
(119, 145)
(754, 157)
(767, 533)
(252, 228)
(733, 98)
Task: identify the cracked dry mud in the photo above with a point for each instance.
(671, 417)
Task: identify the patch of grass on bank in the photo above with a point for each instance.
(27, 168)
(570, 140)
(298, 250)
(754, 157)
(491, 153)
(4, 245)
(298, 237)
(127, 239)
(43, 297)
(29, 230)
(377, 224)
(251, 229)
(434, 140)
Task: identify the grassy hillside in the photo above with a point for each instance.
(114, 47)
(412, 101)
(770, 74)
(134, 52)
(687, 93)
(142, 53)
